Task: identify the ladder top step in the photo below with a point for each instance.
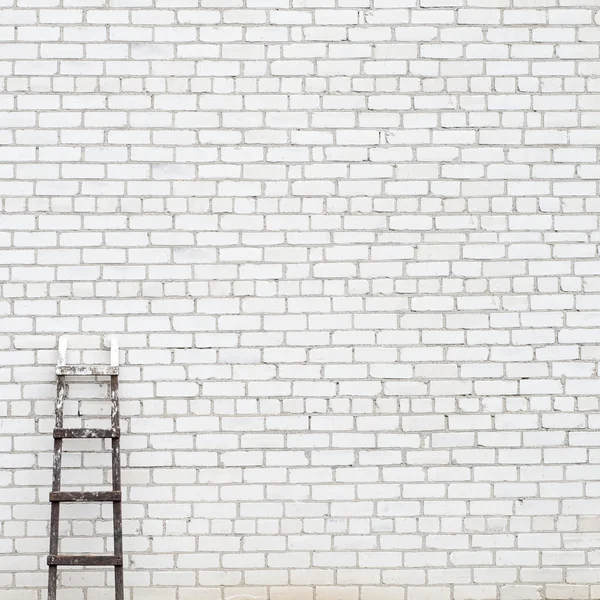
(109, 496)
(87, 433)
(89, 370)
(85, 560)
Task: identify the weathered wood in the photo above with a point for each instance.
(87, 433)
(116, 483)
(61, 392)
(85, 560)
(89, 370)
(52, 581)
(112, 496)
(61, 395)
(119, 589)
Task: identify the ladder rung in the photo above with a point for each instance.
(89, 370)
(85, 496)
(87, 433)
(85, 560)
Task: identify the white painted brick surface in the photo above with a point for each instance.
(350, 251)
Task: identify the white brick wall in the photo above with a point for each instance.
(350, 250)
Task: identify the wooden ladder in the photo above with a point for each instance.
(56, 496)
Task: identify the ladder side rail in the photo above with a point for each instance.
(61, 393)
(116, 484)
